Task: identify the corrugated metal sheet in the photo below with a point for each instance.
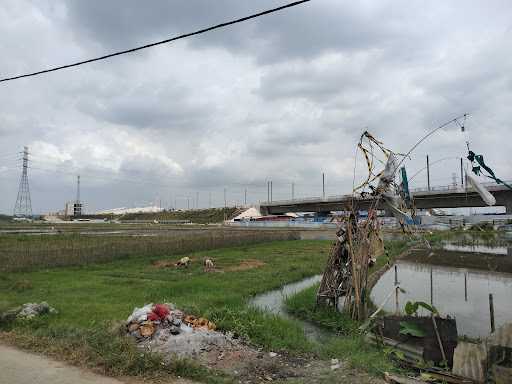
(470, 360)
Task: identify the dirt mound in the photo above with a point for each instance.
(245, 265)
(163, 263)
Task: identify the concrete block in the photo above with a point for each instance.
(469, 360)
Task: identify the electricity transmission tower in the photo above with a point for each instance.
(23, 206)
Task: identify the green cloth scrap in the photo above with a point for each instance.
(477, 170)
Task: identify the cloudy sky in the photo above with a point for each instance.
(282, 98)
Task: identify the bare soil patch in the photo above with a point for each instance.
(246, 265)
(168, 263)
(164, 263)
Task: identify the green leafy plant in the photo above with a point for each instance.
(411, 308)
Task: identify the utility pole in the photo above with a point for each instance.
(323, 185)
(428, 175)
(225, 205)
(78, 189)
(197, 200)
(293, 191)
(271, 199)
(245, 196)
(77, 208)
(461, 173)
(268, 191)
(209, 199)
(188, 203)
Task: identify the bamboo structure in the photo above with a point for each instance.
(346, 273)
(359, 243)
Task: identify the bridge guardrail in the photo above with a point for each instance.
(336, 198)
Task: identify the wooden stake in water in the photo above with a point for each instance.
(431, 288)
(466, 286)
(491, 312)
(397, 306)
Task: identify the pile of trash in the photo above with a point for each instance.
(164, 328)
(28, 311)
(146, 321)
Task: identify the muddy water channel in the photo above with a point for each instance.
(463, 271)
(273, 302)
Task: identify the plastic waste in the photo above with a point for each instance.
(486, 196)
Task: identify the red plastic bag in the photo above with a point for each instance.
(161, 311)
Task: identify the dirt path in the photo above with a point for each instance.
(20, 367)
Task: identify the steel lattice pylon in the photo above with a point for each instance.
(23, 206)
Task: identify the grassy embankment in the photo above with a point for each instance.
(5, 219)
(90, 298)
(198, 216)
(350, 345)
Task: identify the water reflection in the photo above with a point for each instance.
(477, 248)
(273, 302)
(458, 292)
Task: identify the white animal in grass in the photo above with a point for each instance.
(183, 262)
(208, 264)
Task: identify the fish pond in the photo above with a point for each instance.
(460, 277)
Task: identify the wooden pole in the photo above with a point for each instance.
(428, 174)
(491, 312)
(466, 286)
(438, 336)
(323, 185)
(397, 305)
(431, 288)
(461, 173)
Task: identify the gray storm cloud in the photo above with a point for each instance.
(281, 98)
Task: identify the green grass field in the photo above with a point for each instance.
(21, 252)
(91, 298)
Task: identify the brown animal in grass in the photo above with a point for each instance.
(208, 264)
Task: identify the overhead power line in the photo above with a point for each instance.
(183, 36)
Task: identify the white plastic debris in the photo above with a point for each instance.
(391, 199)
(140, 314)
(486, 196)
(31, 310)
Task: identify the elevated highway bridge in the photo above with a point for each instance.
(435, 197)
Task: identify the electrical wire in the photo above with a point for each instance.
(131, 50)
(434, 162)
(455, 120)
